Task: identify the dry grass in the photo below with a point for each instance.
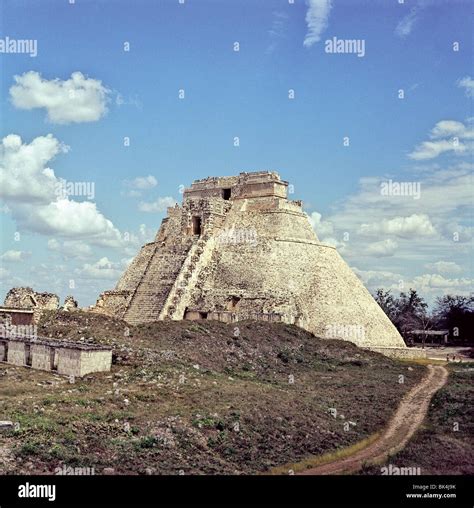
(444, 444)
(311, 462)
(197, 398)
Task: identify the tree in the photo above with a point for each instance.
(386, 302)
(455, 313)
(408, 312)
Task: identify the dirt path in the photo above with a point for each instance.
(409, 415)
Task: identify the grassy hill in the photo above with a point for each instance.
(196, 398)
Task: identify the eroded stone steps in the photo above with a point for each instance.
(181, 292)
(152, 291)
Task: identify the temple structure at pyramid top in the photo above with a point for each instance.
(238, 249)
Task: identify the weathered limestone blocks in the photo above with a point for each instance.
(66, 358)
(70, 304)
(238, 249)
(27, 298)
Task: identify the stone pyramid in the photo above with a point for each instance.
(238, 249)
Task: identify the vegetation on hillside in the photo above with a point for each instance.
(444, 445)
(196, 397)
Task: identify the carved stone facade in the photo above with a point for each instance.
(238, 249)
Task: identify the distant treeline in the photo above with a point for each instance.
(409, 311)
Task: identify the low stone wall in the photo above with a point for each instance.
(41, 356)
(400, 353)
(64, 358)
(16, 352)
(95, 361)
(69, 362)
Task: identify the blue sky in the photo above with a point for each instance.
(424, 138)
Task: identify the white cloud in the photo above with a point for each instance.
(75, 100)
(73, 219)
(429, 282)
(70, 248)
(317, 17)
(428, 285)
(458, 232)
(468, 84)
(444, 267)
(322, 228)
(383, 248)
(445, 198)
(24, 174)
(142, 182)
(160, 205)
(377, 278)
(452, 128)
(29, 188)
(277, 30)
(432, 149)
(457, 138)
(444, 206)
(101, 269)
(15, 255)
(407, 23)
(415, 225)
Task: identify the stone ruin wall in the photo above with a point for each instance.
(94, 361)
(70, 360)
(28, 298)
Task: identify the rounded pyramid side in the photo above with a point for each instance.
(273, 264)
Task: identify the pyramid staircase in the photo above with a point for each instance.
(157, 280)
(181, 293)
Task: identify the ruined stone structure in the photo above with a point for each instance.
(70, 304)
(13, 316)
(238, 249)
(27, 298)
(66, 358)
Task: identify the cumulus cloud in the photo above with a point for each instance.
(410, 236)
(317, 17)
(141, 182)
(444, 267)
(383, 248)
(70, 248)
(24, 174)
(377, 278)
(444, 204)
(468, 84)
(30, 189)
(15, 255)
(75, 100)
(415, 225)
(160, 205)
(101, 269)
(457, 138)
(431, 283)
(322, 228)
(428, 285)
(452, 128)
